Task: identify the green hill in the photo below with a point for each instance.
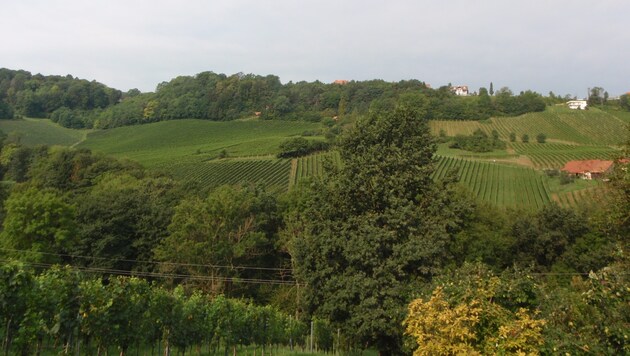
(32, 132)
(560, 124)
(191, 141)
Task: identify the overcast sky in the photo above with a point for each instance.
(544, 45)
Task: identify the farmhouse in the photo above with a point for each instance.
(577, 104)
(460, 90)
(340, 82)
(590, 169)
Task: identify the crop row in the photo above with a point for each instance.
(592, 127)
(574, 198)
(272, 173)
(312, 165)
(556, 155)
(497, 183)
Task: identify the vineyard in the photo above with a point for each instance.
(555, 155)
(312, 165)
(588, 127)
(272, 173)
(170, 142)
(63, 311)
(496, 183)
(32, 132)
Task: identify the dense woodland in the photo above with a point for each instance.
(78, 103)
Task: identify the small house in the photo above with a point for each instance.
(589, 169)
(340, 82)
(577, 104)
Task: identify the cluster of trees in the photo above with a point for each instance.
(377, 232)
(353, 247)
(64, 310)
(25, 94)
(79, 103)
(478, 142)
(299, 146)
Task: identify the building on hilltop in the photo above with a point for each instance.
(460, 90)
(577, 104)
(589, 169)
(340, 81)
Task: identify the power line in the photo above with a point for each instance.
(164, 275)
(176, 264)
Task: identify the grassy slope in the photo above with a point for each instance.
(41, 132)
(166, 142)
(560, 124)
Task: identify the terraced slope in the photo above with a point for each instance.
(560, 124)
(555, 155)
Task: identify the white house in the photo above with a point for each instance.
(461, 90)
(577, 104)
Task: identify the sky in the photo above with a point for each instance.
(541, 45)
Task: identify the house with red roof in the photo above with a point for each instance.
(589, 169)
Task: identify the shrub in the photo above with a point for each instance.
(525, 138)
(512, 137)
(541, 138)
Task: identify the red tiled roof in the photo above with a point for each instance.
(340, 81)
(593, 166)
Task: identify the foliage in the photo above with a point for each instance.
(38, 224)
(525, 138)
(231, 227)
(478, 142)
(439, 329)
(373, 227)
(541, 138)
(299, 146)
(471, 312)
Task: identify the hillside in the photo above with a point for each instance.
(560, 124)
(32, 132)
(168, 142)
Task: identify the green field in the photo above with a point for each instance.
(32, 132)
(192, 141)
(560, 124)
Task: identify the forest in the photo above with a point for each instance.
(78, 103)
(374, 249)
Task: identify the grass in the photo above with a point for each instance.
(166, 142)
(33, 132)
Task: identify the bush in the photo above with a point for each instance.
(541, 138)
(566, 178)
(512, 137)
(525, 138)
(477, 142)
(300, 146)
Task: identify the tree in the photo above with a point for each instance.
(525, 138)
(541, 138)
(374, 228)
(39, 225)
(512, 137)
(232, 227)
(491, 91)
